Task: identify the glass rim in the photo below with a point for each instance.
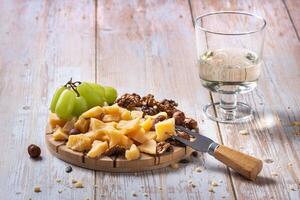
(230, 12)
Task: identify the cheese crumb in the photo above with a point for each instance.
(211, 189)
(146, 194)
(37, 189)
(198, 169)
(78, 184)
(274, 173)
(296, 123)
(134, 194)
(174, 165)
(214, 184)
(244, 132)
(269, 160)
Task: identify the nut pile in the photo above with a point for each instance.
(150, 106)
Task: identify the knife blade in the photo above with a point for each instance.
(199, 143)
(246, 165)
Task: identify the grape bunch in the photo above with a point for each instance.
(74, 98)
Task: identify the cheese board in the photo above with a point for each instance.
(116, 163)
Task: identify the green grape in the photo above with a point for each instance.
(98, 89)
(80, 106)
(89, 94)
(110, 94)
(65, 104)
(55, 98)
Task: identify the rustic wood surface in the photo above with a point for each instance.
(143, 47)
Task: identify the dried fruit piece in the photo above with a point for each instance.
(74, 131)
(34, 151)
(69, 169)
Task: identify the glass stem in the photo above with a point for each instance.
(228, 105)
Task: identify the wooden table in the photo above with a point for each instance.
(143, 47)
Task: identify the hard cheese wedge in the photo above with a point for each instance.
(165, 129)
(98, 148)
(133, 153)
(148, 147)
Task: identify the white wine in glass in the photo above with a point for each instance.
(229, 48)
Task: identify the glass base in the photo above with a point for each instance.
(242, 113)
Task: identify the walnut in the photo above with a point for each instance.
(183, 135)
(149, 110)
(162, 147)
(156, 120)
(129, 101)
(190, 123)
(179, 117)
(115, 151)
(149, 101)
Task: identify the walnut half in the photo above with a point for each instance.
(163, 147)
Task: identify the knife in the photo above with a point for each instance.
(244, 164)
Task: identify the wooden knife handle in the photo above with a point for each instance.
(244, 164)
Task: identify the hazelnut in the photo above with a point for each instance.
(190, 123)
(74, 131)
(34, 151)
(179, 117)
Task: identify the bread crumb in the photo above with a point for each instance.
(60, 191)
(214, 184)
(274, 173)
(174, 165)
(211, 189)
(193, 185)
(78, 184)
(37, 189)
(198, 169)
(268, 160)
(58, 180)
(290, 164)
(160, 188)
(74, 181)
(244, 132)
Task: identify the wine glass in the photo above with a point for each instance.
(229, 53)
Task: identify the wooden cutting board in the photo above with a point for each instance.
(114, 164)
